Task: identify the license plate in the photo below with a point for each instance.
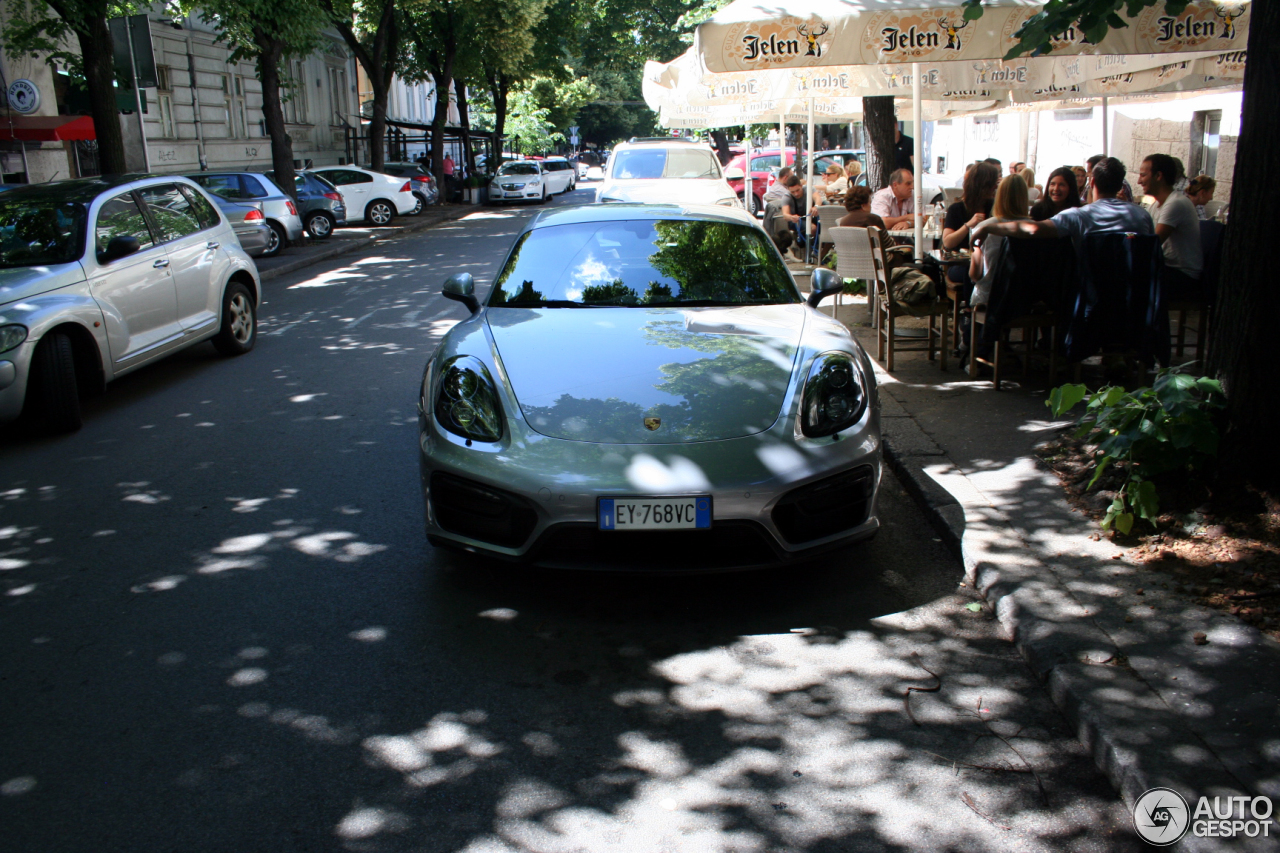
(684, 513)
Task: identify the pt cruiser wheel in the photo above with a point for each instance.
(239, 330)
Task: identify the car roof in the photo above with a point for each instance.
(82, 189)
(621, 211)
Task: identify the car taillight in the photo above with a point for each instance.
(292, 209)
(253, 215)
(333, 197)
(407, 188)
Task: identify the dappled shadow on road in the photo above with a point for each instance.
(1200, 715)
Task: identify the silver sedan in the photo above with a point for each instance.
(647, 389)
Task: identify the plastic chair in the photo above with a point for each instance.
(858, 256)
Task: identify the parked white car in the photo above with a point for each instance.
(371, 197)
(527, 180)
(665, 170)
(100, 276)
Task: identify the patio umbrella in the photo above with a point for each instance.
(749, 36)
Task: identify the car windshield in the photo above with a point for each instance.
(518, 169)
(643, 263)
(652, 163)
(40, 231)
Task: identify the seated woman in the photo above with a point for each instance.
(1010, 204)
(975, 202)
(835, 185)
(1033, 189)
(1200, 191)
(1061, 193)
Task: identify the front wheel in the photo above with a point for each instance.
(320, 226)
(277, 240)
(239, 330)
(380, 212)
(53, 377)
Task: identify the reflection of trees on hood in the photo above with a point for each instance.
(742, 373)
(588, 418)
(719, 261)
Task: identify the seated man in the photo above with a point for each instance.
(1177, 226)
(896, 203)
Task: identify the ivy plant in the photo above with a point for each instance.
(1147, 432)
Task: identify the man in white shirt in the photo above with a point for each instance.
(896, 203)
(1177, 226)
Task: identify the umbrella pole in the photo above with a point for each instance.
(917, 155)
(807, 223)
(1106, 142)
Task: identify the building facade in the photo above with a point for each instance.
(204, 112)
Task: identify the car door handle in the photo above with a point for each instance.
(212, 244)
(163, 262)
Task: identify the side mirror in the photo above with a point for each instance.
(825, 282)
(734, 174)
(462, 288)
(118, 248)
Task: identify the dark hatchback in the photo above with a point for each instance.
(320, 204)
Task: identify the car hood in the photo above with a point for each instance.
(598, 374)
(667, 191)
(24, 282)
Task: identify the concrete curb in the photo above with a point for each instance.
(1136, 739)
(343, 247)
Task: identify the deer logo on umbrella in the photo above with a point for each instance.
(815, 49)
(953, 33)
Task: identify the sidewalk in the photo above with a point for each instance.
(1114, 645)
(350, 238)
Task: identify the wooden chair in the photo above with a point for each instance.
(1026, 296)
(1211, 236)
(888, 310)
(858, 257)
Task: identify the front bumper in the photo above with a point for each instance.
(776, 498)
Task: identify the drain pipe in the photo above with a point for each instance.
(195, 106)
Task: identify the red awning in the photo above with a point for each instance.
(46, 128)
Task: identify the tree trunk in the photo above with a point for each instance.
(879, 121)
(722, 146)
(442, 71)
(269, 52)
(468, 155)
(99, 72)
(1247, 299)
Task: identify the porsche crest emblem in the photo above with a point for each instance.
(652, 423)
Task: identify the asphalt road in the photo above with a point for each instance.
(221, 629)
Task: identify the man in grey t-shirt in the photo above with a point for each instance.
(1177, 226)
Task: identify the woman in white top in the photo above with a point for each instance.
(1011, 203)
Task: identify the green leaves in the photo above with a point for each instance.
(1147, 432)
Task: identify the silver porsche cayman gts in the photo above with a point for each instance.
(646, 389)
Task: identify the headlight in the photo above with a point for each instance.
(11, 336)
(467, 401)
(835, 395)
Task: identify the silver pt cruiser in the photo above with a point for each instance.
(100, 276)
(646, 388)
